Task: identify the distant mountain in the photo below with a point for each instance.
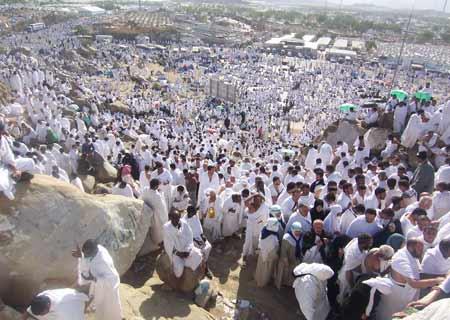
(437, 5)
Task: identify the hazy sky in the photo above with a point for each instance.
(420, 4)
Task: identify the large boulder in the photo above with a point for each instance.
(376, 138)
(88, 183)
(5, 94)
(386, 120)
(8, 313)
(47, 219)
(101, 188)
(188, 281)
(343, 131)
(119, 106)
(105, 172)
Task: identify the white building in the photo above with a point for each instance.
(309, 38)
(341, 44)
(91, 10)
(323, 43)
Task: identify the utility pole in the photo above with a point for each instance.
(399, 59)
(445, 6)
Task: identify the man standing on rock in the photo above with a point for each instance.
(96, 267)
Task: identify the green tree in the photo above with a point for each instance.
(425, 36)
(371, 45)
(445, 36)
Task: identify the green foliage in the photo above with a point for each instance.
(445, 36)
(371, 45)
(156, 86)
(107, 5)
(425, 36)
(81, 30)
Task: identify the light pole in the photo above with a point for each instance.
(399, 59)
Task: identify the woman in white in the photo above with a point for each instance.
(412, 132)
(268, 252)
(257, 215)
(232, 211)
(310, 287)
(212, 216)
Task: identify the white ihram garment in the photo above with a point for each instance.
(402, 294)
(181, 240)
(65, 304)
(106, 287)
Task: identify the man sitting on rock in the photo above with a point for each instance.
(57, 304)
(200, 241)
(179, 245)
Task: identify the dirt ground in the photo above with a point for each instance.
(145, 297)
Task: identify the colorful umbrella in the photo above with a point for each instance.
(423, 96)
(346, 107)
(399, 94)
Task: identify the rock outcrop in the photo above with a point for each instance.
(101, 188)
(105, 172)
(188, 281)
(8, 313)
(5, 94)
(119, 106)
(47, 219)
(376, 138)
(88, 183)
(342, 131)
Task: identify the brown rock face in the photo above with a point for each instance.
(47, 219)
(188, 281)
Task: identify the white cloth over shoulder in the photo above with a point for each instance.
(65, 304)
(310, 289)
(106, 286)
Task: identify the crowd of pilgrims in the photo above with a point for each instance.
(356, 235)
